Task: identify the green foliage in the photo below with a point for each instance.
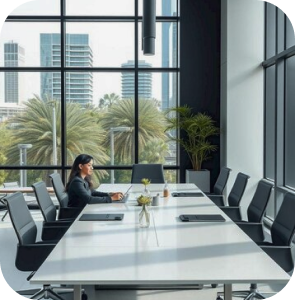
(151, 127)
(35, 126)
(196, 130)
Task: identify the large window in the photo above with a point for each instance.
(279, 67)
(73, 80)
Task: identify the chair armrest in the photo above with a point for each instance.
(233, 212)
(68, 212)
(58, 223)
(218, 200)
(281, 255)
(253, 230)
(53, 232)
(30, 257)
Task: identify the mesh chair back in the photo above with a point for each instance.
(154, 172)
(221, 181)
(259, 202)
(21, 219)
(238, 189)
(59, 190)
(45, 202)
(283, 227)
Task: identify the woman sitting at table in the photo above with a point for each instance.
(80, 188)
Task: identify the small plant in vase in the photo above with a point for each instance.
(144, 215)
(146, 182)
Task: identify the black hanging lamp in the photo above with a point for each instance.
(149, 27)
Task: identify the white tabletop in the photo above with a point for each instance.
(168, 252)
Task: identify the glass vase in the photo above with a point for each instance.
(144, 217)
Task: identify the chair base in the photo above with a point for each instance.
(49, 292)
(45, 293)
(250, 294)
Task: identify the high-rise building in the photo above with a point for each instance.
(144, 81)
(79, 85)
(169, 40)
(14, 56)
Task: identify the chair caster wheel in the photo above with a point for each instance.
(84, 296)
(214, 285)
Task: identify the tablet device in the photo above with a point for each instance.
(101, 217)
(187, 194)
(201, 218)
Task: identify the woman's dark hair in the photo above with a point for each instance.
(75, 170)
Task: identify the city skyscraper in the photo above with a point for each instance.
(14, 56)
(79, 85)
(169, 40)
(144, 81)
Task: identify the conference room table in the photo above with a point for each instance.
(169, 253)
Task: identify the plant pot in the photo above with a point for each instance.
(200, 178)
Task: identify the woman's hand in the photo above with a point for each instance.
(116, 196)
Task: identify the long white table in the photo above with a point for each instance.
(169, 252)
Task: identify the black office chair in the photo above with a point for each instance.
(256, 207)
(64, 211)
(30, 254)
(154, 172)
(235, 194)
(220, 182)
(279, 249)
(48, 208)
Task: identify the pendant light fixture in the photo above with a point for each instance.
(149, 27)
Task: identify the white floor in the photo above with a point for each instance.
(17, 279)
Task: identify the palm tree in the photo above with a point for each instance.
(108, 100)
(34, 126)
(151, 126)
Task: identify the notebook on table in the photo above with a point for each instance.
(201, 218)
(187, 194)
(101, 217)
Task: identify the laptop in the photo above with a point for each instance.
(125, 196)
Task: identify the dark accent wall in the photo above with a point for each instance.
(200, 33)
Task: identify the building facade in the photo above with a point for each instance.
(144, 81)
(14, 56)
(79, 85)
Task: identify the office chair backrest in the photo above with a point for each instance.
(154, 172)
(221, 181)
(59, 189)
(22, 221)
(238, 189)
(259, 202)
(45, 202)
(283, 227)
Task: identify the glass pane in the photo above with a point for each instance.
(26, 178)
(163, 7)
(165, 46)
(290, 38)
(100, 7)
(290, 123)
(22, 45)
(270, 30)
(281, 30)
(31, 121)
(38, 7)
(153, 141)
(270, 117)
(108, 117)
(99, 44)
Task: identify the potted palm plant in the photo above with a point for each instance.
(195, 130)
